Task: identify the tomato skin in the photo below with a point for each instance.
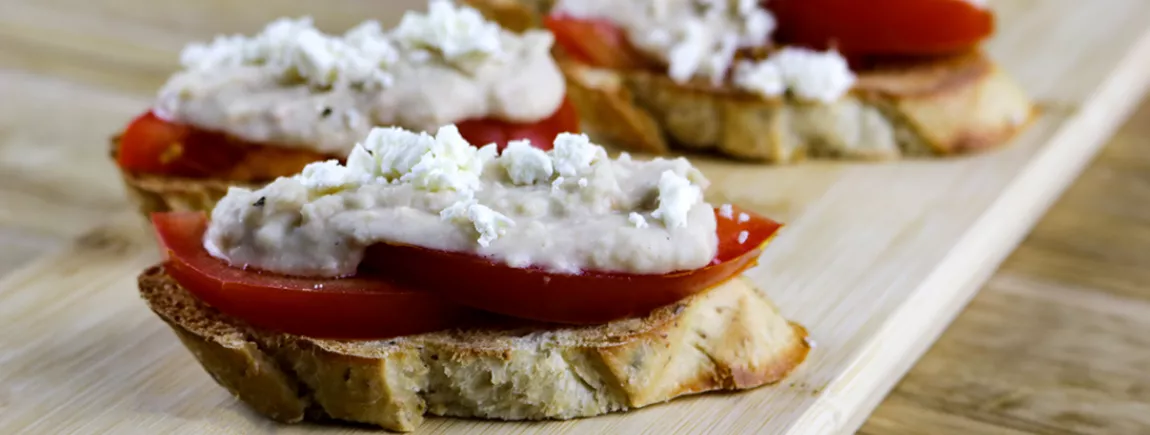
(586, 298)
(347, 308)
(882, 27)
(152, 145)
(542, 134)
(597, 43)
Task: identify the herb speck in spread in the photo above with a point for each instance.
(260, 202)
(326, 112)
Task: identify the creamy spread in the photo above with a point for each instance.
(295, 86)
(567, 210)
(701, 38)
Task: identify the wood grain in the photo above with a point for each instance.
(1056, 342)
(876, 259)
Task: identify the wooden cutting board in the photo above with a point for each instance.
(875, 261)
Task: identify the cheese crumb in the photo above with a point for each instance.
(809, 74)
(763, 78)
(459, 33)
(451, 163)
(727, 211)
(676, 197)
(526, 164)
(395, 150)
(361, 161)
(489, 223)
(328, 177)
(637, 220)
(743, 217)
(582, 182)
(743, 237)
(573, 154)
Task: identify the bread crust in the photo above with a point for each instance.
(727, 338)
(936, 107)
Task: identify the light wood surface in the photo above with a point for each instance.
(876, 259)
(1056, 342)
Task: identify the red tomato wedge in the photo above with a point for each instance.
(587, 298)
(541, 134)
(882, 27)
(348, 308)
(597, 43)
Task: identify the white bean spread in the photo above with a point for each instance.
(292, 85)
(567, 210)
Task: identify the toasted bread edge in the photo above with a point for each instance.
(970, 105)
(727, 338)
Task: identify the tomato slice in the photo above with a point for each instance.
(882, 27)
(348, 308)
(597, 43)
(586, 298)
(152, 145)
(541, 134)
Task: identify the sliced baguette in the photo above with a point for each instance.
(927, 108)
(727, 338)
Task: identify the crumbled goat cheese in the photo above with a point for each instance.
(763, 78)
(573, 154)
(329, 176)
(743, 237)
(676, 197)
(727, 211)
(362, 161)
(450, 164)
(810, 75)
(371, 40)
(458, 33)
(395, 150)
(295, 47)
(637, 220)
(743, 217)
(489, 223)
(526, 164)
(582, 182)
(443, 162)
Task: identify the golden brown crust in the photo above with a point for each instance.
(728, 338)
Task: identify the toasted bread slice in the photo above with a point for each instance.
(728, 338)
(924, 108)
(155, 193)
